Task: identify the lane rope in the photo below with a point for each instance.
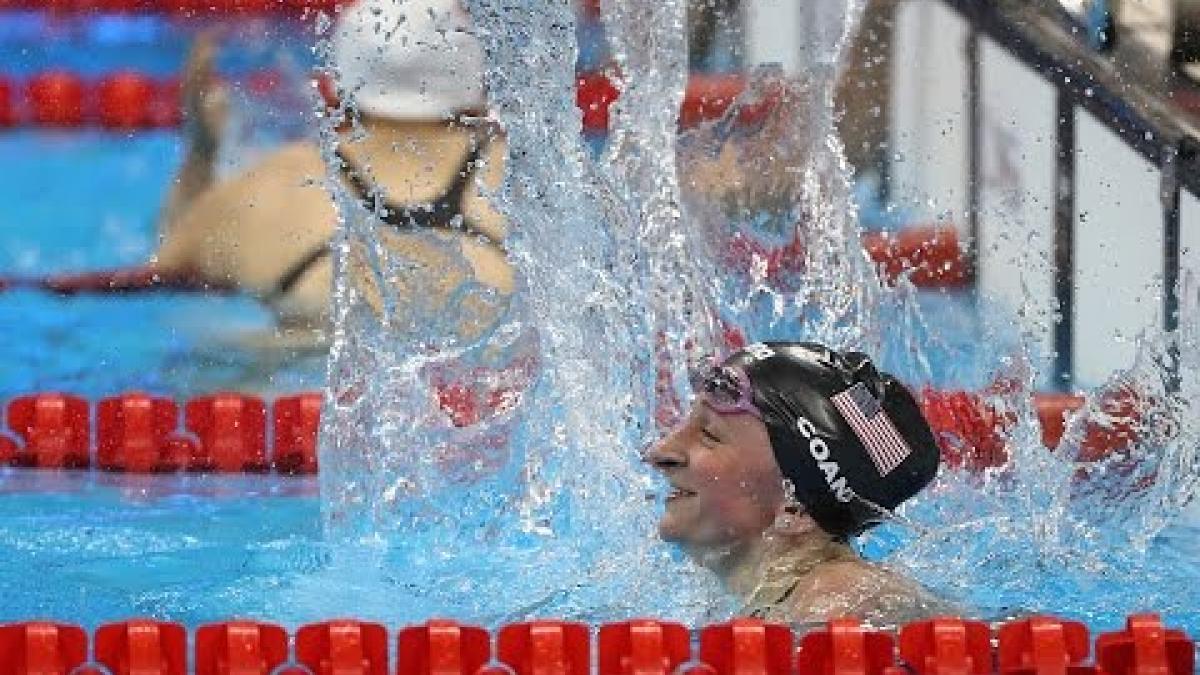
(1038, 645)
(230, 432)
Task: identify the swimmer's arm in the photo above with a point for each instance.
(195, 177)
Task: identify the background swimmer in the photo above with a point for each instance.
(790, 450)
(417, 75)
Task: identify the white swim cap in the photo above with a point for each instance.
(409, 59)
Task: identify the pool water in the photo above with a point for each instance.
(89, 548)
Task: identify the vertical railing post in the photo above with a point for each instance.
(1064, 240)
(1169, 198)
(974, 145)
(1177, 158)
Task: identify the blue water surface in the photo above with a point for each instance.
(92, 547)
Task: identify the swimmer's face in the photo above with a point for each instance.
(725, 485)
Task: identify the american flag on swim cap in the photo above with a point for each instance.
(873, 427)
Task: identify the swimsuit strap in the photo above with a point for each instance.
(296, 272)
(443, 213)
(761, 611)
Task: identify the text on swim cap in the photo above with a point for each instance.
(819, 450)
(759, 351)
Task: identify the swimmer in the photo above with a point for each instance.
(417, 74)
(791, 450)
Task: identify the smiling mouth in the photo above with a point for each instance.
(677, 493)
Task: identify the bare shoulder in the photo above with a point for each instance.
(290, 179)
(276, 205)
(858, 588)
(299, 161)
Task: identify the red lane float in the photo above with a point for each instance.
(140, 433)
(122, 101)
(559, 647)
(56, 99)
(747, 646)
(441, 646)
(928, 256)
(41, 647)
(969, 432)
(127, 99)
(231, 429)
(344, 646)
(708, 97)
(297, 421)
(133, 433)
(239, 647)
(1043, 644)
(8, 108)
(594, 93)
(931, 256)
(846, 647)
(142, 646)
(54, 430)
(973, 434)
(1145, 647)
(1038, 645)
(643, 646)
(947, 645)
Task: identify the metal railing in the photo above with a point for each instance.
(1124, 93)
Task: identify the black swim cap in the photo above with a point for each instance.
(849, 438)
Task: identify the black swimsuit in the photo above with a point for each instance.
(444, 213)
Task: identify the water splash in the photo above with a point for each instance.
(1093, 529)
(626, 280)
(769, 189)
(667, 249)
(411, 322)
(1139, 489)
(583, 285)
(658, 264)
(559, 507)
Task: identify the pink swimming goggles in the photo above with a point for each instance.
(726, 389)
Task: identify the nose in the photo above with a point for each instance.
(666, 454)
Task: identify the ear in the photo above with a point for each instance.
(792, 520)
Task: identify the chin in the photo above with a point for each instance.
(687, 542)
(667, 532)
